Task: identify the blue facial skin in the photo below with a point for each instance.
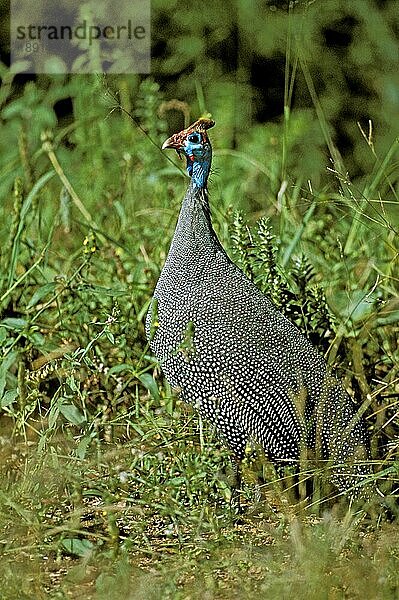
(199, 156)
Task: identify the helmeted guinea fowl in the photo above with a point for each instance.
(229, 351)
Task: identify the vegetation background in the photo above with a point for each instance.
(109, 486)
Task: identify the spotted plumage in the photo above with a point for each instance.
(230, 352)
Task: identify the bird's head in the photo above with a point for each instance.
(194, 144)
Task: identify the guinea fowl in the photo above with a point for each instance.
(233, 355)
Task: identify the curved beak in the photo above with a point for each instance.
(175, 142)
(171, 142)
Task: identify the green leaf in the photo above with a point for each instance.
(24, 212)
(77, 547)
(82, 447)
(13, 323)
(72, 414)
(387, 318)
(53, 416)
(149, 382)
(360, 309)
(110, 337)
(176, 481)
(355, 306)
(36, 338)
(120, 368)
(104, 291)
(71, 381)
(9, 397)
(9, 360)
(40, 293)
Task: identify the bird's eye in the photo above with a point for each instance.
(194, 137)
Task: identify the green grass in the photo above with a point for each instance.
(110, 486)
(151, 520)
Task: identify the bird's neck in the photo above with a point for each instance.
(198, 170)
(194, 225)
(194, 241)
